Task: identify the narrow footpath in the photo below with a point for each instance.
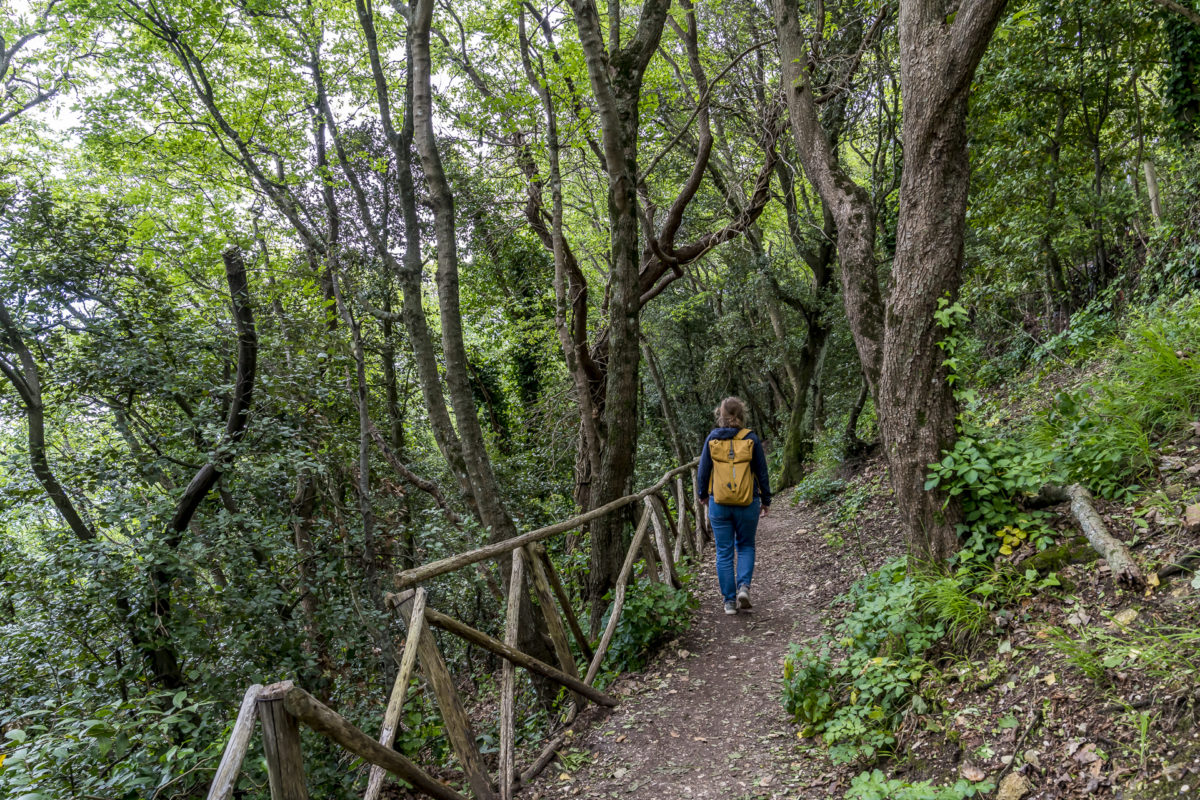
(705, 720)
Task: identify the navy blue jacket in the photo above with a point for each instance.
(758, 463)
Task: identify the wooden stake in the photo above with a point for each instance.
(563, 601)
(660, 536)
(327, 722)
(554, 623)
(223, 782)
(701, 519)
(391, 717)
(618, 598)
(685, 533)
(508, 679)
(281, 744)
(651, 560)
(458, 726)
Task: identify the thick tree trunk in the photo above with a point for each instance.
(915, 402)
(479, 469)
(940, 46)
(616, 80)
(848, 203)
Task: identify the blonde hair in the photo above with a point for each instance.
(731, 413)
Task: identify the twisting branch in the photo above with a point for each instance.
(25, 378)
(702, 103)
(243, 394)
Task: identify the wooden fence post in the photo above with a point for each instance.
(618, 597)
(458, 726)
(508, 679)
(563, 601)
(226, 777)
(684, 533)
(664, 546)
(281, 744)
(395, 706)
(554, 623)
(702, 532)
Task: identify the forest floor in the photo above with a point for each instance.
(705, 719)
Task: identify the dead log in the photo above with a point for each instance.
(1115, 553)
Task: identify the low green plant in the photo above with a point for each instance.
(1102, 434)
(818, 487)
(1169, 654)
(852, 689)
(652, 614)
(875, 785)
(989, 474)
(1095, 439)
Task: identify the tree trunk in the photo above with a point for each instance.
(616, 80)
(940, 46)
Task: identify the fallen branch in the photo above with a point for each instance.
(1035, 719)
(1185, 564)
(1115, 553)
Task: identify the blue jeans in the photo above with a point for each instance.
(734, 528)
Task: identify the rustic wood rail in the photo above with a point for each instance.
(659, 541)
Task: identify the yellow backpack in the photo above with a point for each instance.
(732, 481)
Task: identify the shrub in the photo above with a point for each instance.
(990, 473)
(653, 613)
(852, 689)
(1101, 435)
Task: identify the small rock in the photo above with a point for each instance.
(1013, 787)
(1171, 463)
(1086, 754)
(1191, 517)
(1174, 491)
(1033, 757)
(1125, 616)
(973, 773)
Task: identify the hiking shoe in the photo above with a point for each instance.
(743, 597)
(730, 608)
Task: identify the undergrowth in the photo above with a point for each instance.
(852, 689)
(653, 613)
(875, 785)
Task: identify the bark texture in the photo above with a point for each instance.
(941, 43)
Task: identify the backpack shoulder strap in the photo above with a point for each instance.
(742, 434)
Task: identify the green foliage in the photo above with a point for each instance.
(989, 473)
(875, 785)
(1089, 328)
(120, 749)
(852, 688)
(818, 486)
(653, 613)
(1101, 435)
(1169, 654)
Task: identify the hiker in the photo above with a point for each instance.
(733, 483)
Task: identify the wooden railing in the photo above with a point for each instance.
(659, 541)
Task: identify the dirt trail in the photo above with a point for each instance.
(705, 720)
